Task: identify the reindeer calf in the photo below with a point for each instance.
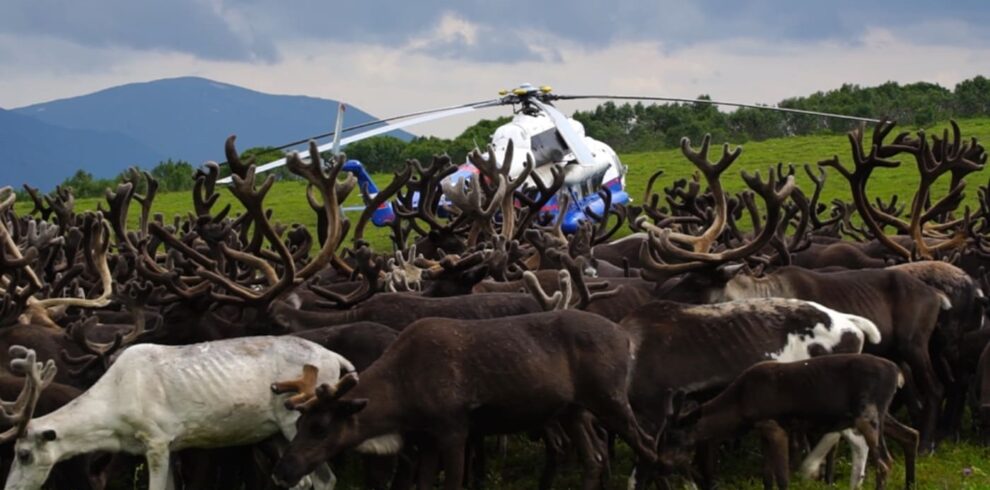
(837, 392)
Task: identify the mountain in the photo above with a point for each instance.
(42, 154)
(189, 118)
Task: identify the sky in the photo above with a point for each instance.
(393, 56)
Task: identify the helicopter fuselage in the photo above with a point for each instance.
(534, 135)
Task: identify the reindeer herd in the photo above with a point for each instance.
(229, 350)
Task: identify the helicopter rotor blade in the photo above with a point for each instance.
(368, 124)
(574, 141)
(423, 117)
(716, 102)
(338, 124)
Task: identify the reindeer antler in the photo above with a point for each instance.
(133, 295)
(560, 300)
(370, 267)
(712, 172)
(96, 233)
(304, 388)
(677, 259)
(933, 160)
(37, 377)
(576, 267)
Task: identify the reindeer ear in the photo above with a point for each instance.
(324, 392)
(677, 403)
(346, 384)
(727, 272)
(476, 274)
(690, 419)
(350, 407)
(332, 393)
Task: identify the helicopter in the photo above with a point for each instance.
(538, 133)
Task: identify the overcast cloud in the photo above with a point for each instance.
(393, 56)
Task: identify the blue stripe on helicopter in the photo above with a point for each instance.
(575, 214)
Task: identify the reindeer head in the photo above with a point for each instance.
(327, 424)
(35, 455)
(676, 439)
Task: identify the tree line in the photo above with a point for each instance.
(640, 127)
(172, 176)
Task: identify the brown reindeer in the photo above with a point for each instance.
(837, 392)
(443, 379)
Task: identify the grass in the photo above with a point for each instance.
(963, 465)
(956, 466)
(761, 155)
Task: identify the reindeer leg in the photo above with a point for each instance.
(950, 422)
(617, 416)
(323, 478)
(908, 439)
(604, 441)
(405, 468)
(378, 470)
(159, 468)
(549, 472)
(776, 444)
(931, 394)
(828, 476)
(984, 416)
(707, 456)
(860, 451)
(580, 429)
(798, 440)
(474, 462)
(451, 450)
(868, 425)
(643, 473)
(429, 466)
(554, 449)
(812, 464)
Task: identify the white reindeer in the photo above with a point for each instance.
(157, 399)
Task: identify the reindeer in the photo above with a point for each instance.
(838, 392)
(35, 393)
(482, 377)
(157, 399)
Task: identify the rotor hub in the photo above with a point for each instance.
(526, 92)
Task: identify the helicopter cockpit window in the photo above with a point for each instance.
(548, 147)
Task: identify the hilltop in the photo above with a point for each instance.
(143, 123)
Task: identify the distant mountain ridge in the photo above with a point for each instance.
(42, 155)
(141, 124)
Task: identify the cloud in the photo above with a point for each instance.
(204, 29)
(458, 39)
(595, 25)
(260, 31)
